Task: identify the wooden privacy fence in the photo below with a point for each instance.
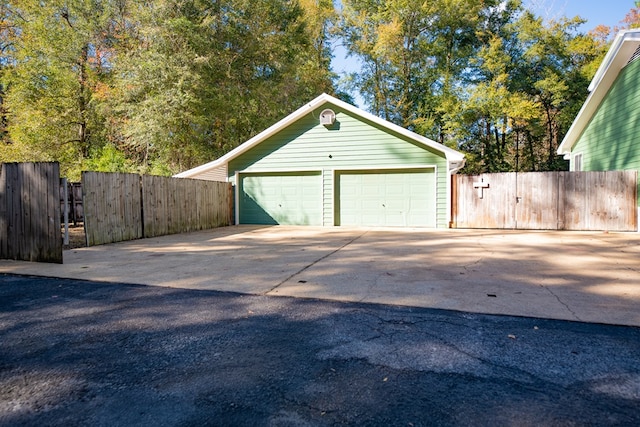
(119, 206)
(30, 212)
(112, 207)
(176, 205)
(73, 200)
(547, 201)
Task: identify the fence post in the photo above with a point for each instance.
(231, 205)
(453, 221)
(65, 199)
(3, 212)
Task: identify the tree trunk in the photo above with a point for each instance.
(83, 92)
(3, 116)
(553, 146)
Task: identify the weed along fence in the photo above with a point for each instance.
(119, 206)
(30, 212)
(547, 201)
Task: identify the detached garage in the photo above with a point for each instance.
(331, 164)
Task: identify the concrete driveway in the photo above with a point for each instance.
(582, 276)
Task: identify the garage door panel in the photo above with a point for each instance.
(387, 198)
(288, 198)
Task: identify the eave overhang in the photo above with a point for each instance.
(623, 47)
(452, 156)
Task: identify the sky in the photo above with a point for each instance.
(596, 12)
(607, 12)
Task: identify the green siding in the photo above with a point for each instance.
(351, 143)
(327, 197)
(611, 140)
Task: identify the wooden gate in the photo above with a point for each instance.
(547, 201)
(30, 212)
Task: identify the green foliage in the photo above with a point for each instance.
(108, 159)
(204, 78)
(415, 55)
(488, 78)
(49, 77)
(161, 86)
(168, 84)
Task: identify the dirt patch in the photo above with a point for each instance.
(77, 237)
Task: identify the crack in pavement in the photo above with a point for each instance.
(396, 358)
(467, 267)
(562, 302)
(371, 286)
(314, 263)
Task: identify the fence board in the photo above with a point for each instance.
(537, 200)
(609, 201)
(547, 201)
(482, 206)
(30, 212)
(4, 213)
(124, 206)
(112, 207)
(177, 205)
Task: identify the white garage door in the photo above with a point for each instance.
(281, 198)
(405, 197)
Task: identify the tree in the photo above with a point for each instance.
(552, 72)
(203, 77)
(51, 112)
(156, 86)
(415, 55)
(488, 78)
(632, 19)
(7, 35)
(496, 115)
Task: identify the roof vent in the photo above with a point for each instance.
(327, 117)
(635, 56)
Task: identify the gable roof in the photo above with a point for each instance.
(622, 51)
(450, 154)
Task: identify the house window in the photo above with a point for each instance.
(577, 162)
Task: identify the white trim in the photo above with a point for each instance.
(435, 192)
(449, 177)
(453, 167)
(237, 201)
(573, 162)
(450, 154)
(623, 46)
(612, 55)
(383, 168)
(279, 170)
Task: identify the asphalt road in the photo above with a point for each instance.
(100, 354)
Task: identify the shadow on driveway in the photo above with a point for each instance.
(583, 276)
(89, 353)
